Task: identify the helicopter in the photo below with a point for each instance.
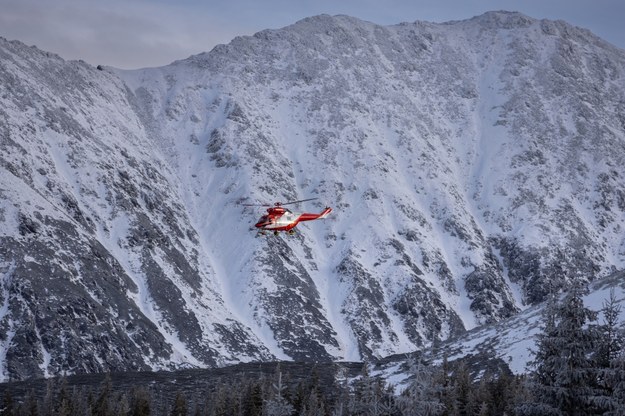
(279, 218)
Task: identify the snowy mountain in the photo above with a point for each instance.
(473, 167)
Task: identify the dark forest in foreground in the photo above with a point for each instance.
(578, 369)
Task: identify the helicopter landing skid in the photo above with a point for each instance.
(276, 233)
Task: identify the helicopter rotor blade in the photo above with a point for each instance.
(278, 204)
(294, 202)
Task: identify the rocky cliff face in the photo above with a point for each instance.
(99, 261)
(473, 167)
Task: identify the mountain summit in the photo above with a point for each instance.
(473, 168)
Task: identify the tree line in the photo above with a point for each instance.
(578, 368)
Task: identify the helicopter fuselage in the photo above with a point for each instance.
(282, 219)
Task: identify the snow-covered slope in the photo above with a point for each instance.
(511, 341)
(514, 339)
(100, 263)
(472, 166)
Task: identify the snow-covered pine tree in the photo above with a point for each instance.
(611, 340)
(422, 397)
(278, 405)
(542, 381)
(617, 380)
(564, 377)
(609, 347)
(344, 396)
(444, 385)
(252, 398)
(313, 406)
(479, 397)
(371, 397)
(462, 387)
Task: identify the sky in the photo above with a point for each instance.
(130, 34)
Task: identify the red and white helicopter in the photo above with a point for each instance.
(279, 218)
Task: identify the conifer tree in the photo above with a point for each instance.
(30, 407)
(180, 405)
(479, 398)
(101, 406)
(344, 397)
(252, 401)
(7, 404)
(257, 392)
(611, 337)
(313, 405)
(308, 399)
(503, 392)
(371, 397)
(443, 384)
(609, 346)
(541, 398)
(140, 402)
(278, 405)
(422, 397)
(221, 403)
(120, 404)
(79, 399)
(564, 379)
(48, 400)
(617, 380)
(64, 402)
(462, 389)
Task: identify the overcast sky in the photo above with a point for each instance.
(140, 33)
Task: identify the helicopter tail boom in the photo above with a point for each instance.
(308, 217)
